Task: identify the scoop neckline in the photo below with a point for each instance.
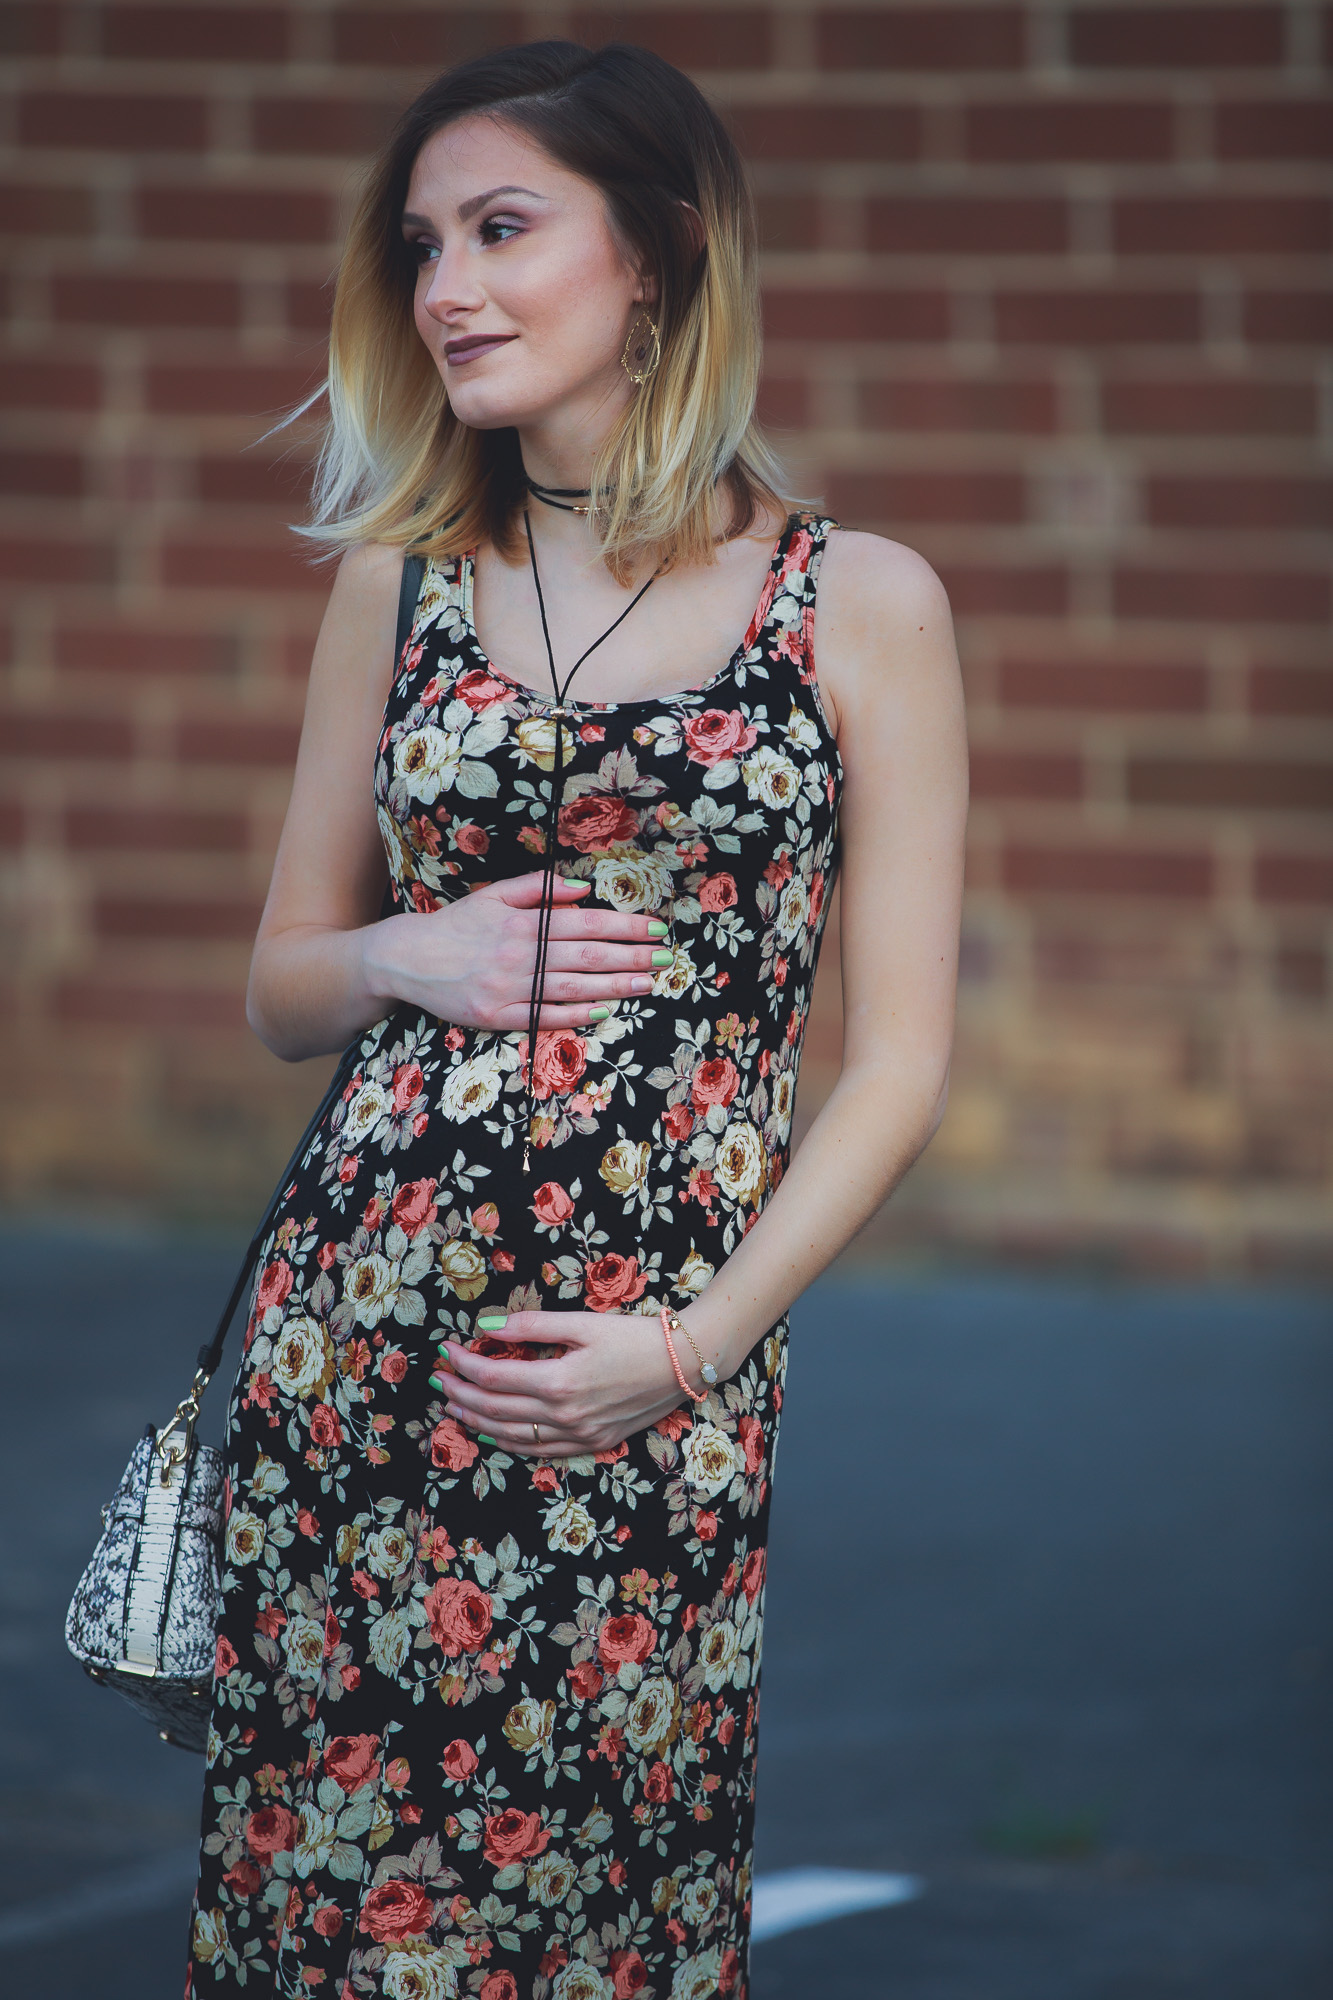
(776, 570)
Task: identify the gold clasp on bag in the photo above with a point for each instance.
(180, 1428)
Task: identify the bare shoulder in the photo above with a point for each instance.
(359, 620)
(368, 577)
(866, 578)
(882, 625)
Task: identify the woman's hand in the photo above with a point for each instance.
(472, 961)
(614, 1378)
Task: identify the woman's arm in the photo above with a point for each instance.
(888, 666)
(324, 966)
(889, 671)
(308, 989)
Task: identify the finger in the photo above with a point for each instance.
(558, 1329)
(625, 926)
(513, 1019)
(600, 956)
(524, 892)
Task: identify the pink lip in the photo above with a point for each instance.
(456, 352)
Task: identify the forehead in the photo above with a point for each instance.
(480, 152)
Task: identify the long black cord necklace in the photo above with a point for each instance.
(546, 906)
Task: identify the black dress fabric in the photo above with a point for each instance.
(486, 1726)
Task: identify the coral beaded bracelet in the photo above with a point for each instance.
(672, 1323)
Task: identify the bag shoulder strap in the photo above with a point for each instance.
(210, 1354)
(409, 590)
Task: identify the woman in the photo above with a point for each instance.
(501, 1445)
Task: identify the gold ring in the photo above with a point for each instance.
(537, 1434)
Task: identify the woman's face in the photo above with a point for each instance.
(524, 295)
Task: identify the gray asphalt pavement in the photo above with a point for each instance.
(1049, 1625)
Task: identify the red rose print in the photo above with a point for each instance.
(434, 1546)
(244, 1877)
(451, 1449)
(325, 1430)
(348, 1168)
(717, 734)
(327, 1920)
(513, 1836)
(326, 1256)
(613, 1281)
(414, 1206)
(479, 689)
(728, 1972)
(629, 1638)
(585, 1680)
(560, 1061)
(275, 1281)
(658, 1786)
(596, 820)
(499, 1986)
(485, 1218)
(674, 1424)
(471, 839)
(751, 1433)
(546, 1479)
(374, 1211)
(407, 1082)
(270, 1830)
(752, 1576)
(679, 1122)
(396, 1910)
(706, 1525)
(502, 1260)
(717, 892)
(714, 1082)
(351, 1761)
(459, 1616)
(628, 1974)
(551, 1204)
(459, 1760)
(816, 899)
(393, 1365)
(224, 1659)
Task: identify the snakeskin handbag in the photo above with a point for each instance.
(143, 1619)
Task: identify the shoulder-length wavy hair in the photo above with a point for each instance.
(397, 466)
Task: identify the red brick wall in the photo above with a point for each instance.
(1047, 289)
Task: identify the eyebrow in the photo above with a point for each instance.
(467, 209)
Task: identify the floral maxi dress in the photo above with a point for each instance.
(486, 1726)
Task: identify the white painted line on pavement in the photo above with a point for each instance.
(799, 1896)
(788, 1901)
(125, 1893)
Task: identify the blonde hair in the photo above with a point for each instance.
(396, 466)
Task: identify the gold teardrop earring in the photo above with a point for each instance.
(643, 348)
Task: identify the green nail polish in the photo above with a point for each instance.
(598, 1013)
(491, 1322)
(656, 928)
(661, 958)
(570, 882)
(436, 1383)
(483, 1439)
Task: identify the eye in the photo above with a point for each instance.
(497, 229)
(422, 249)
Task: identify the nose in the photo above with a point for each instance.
(452, 287)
